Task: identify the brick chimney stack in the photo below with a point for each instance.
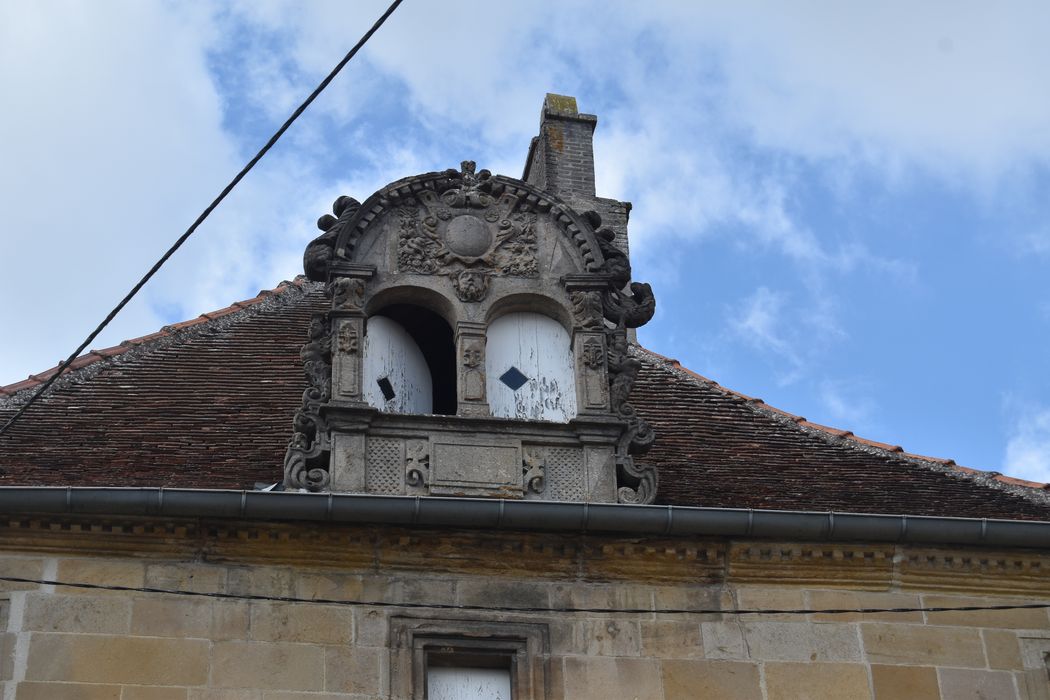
(561, 158)
(561, 161)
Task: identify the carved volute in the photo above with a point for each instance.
(499, 308)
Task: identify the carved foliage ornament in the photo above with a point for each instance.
(468, 232)
(348, 294)
(306, 459)
(533, 462)
(417, 463)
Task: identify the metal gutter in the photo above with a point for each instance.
(525, 515)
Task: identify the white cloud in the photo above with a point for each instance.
(1028, 446)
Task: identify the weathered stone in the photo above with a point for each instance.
(267, 665)
(183, 576)
(229, 620)
(688, 680)
(88, 658)
(110, 572)
(171, 616)
(603, 678)
(899, 682)
(355, 670)
(7, 653)
(923, 646)
(1002, 649)
(802, 681)
(77, 613)
(260, 580)
(140, 692)
(601, 596)
(66, 691)
(723, 640)
(845, 600)
(801, 641)
(770, 598)
(512, 594)
(371, 627)
(287, 622)
(671, 639)
(605, 637)
(224, 694)
(20, 567)
(1003, 619)
(964, 684)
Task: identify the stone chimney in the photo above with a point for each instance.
(561, 161)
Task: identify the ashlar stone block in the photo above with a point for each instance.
(268, 665)
(912, 682)
(689, 680)
(806, 681)
(86, 658)
(801, 641)
(596, 678)
(922, 645)
(966, 684)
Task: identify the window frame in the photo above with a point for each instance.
(526, 647)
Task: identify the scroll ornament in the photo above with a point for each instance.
(306, 459)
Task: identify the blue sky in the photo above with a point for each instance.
(843, 208)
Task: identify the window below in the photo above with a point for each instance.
(461, 674)
(468, 659)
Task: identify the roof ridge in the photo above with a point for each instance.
(92, 357)
(1011, 484)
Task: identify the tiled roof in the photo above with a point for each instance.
(208, 403)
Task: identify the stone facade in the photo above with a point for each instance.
(67, 643)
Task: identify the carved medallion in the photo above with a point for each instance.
(467, 228)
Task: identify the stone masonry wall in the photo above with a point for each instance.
(65, 643)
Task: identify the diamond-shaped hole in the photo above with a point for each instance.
(386, 387)
(513, 378)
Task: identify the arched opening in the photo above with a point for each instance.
(410, 361)
(529, 368)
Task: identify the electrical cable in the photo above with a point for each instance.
(512, 609)
(204, 215)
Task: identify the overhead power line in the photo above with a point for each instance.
(203, 215)
(514, 609)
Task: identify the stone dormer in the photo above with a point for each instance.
(477, 341)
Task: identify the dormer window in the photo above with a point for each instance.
(530, 368)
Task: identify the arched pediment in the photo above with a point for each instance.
(469, 226)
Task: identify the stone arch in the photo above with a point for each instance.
(573, 225)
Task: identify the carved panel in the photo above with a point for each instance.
(468, 465)
(347, 359)
(595, 388)
(385, 466)
(564, 474)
